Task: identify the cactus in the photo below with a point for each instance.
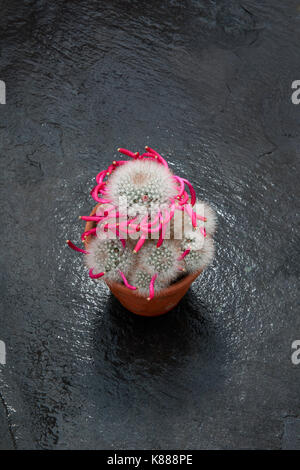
(148, 229)
(145, 282)
(109, 257)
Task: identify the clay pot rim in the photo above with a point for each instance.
(185, 281)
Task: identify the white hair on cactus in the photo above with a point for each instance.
(204, 209)
(197, 260)
(109, 256)
(162, 261)
(146, 185)
(141, 280)
(193, 239)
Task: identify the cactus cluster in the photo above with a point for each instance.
(148, 229)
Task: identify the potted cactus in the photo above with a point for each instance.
(148, 237)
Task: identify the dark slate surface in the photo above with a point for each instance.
(209, 85)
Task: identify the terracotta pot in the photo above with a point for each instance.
(162, 303)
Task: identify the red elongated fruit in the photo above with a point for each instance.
(126, 282)
(192, 191)
(151, 287)
(140, 243)
(127, 152)
(75, 248)
(186, 252)
(95, 276)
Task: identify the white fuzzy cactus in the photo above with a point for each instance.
(163, 260)
(143, 200)
(141, 279)
(110, 257)
(143, 185)
(204, 209)
(198, 259)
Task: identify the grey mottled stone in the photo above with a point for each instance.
(209, 85)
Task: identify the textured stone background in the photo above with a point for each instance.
(207, 83)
